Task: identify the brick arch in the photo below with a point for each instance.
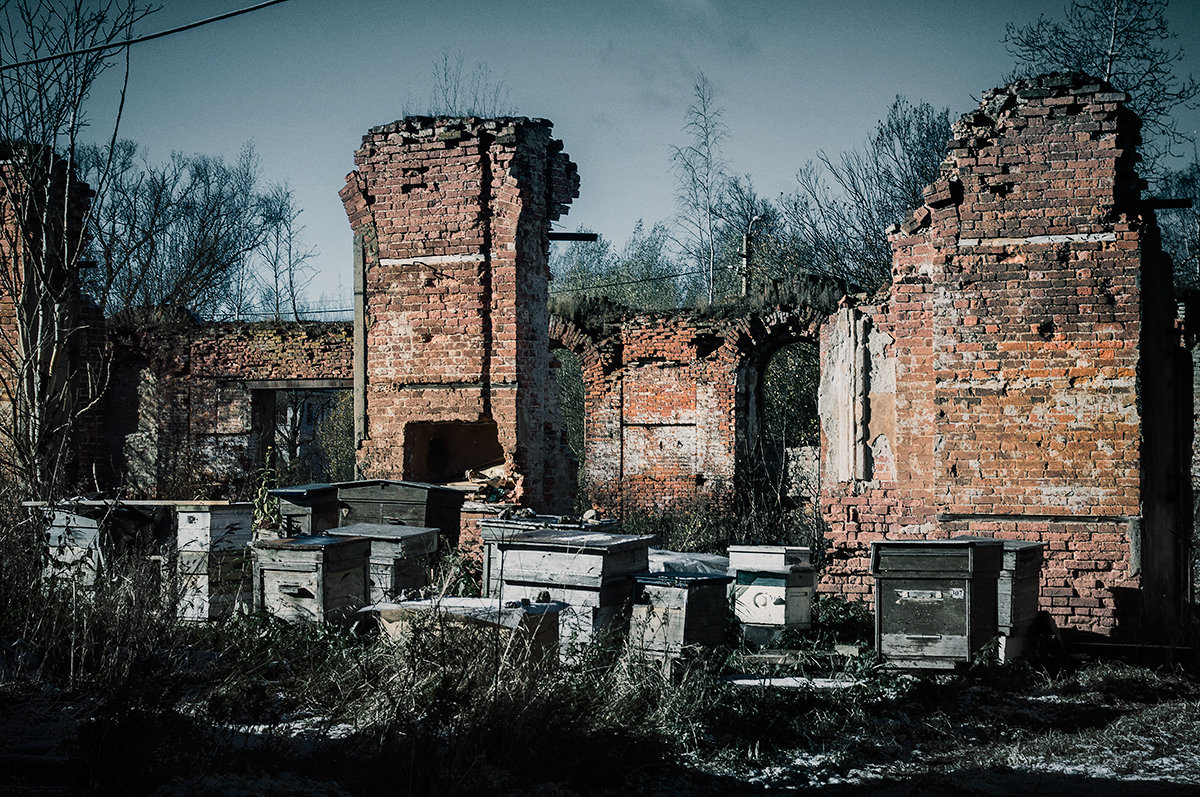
(669, 396)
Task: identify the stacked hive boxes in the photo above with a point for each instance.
(213, 540)
(588, 569)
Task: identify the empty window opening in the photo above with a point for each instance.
(444, 451)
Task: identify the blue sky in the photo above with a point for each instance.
(305, 79)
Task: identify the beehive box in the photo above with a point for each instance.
(673, 612)
(1018, 593)
(512, 629)
(312, 579)
(406, 503)
(308, 509)
(73, 539)
(399, 556)
(82, 534)
(213, 584)
(935, 600)
(214, 526)
(776, 598)
(768, 558)
(590, 570)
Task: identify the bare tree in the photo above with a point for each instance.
(841, 227)
(46, 384)
(456, 92)
(195, 232)
(701, 180)
(1181, 226)
(1126, 42)
(641, 276)
(284, 273)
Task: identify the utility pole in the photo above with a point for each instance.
(746, 256)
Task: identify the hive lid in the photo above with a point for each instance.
(381, 531)
(364, 485)
(314, 490)
(672, 578)
(574, 540)
(309, 543)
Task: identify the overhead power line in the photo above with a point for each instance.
(140, 39)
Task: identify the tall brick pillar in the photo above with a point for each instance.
(453, 363)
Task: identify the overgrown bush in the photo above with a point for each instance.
(751, 518)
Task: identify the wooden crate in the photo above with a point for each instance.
(673, 612)
(308, 509)
(524, 630)
(935, 600)
(406, 503)
(399, 556)
(559, 557)
(312, 579)
(213, 584)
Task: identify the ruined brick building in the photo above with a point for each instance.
(1022, 376)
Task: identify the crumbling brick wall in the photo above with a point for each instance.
(670, 399)
(995, 388)
(452, 216)
(187, 399)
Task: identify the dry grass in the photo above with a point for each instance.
(152, 704)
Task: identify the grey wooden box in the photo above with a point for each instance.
(674, 612)
(399, 556)
(313, 579)
(590, 570)
(935, 600)
(213, 584)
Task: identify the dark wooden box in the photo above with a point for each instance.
(405, 503)
(676, 611)
(308, 508)
(935, 600)
(311, 578)
(590, 570)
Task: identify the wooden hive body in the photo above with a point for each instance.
(312, 579)
(399, 556)
(935, 600)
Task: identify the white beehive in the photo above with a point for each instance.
(214, 559)
(776, 598)
(773, 585)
